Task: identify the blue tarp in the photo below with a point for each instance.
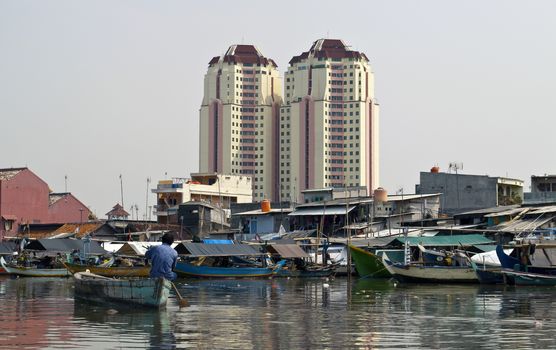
(218, 241)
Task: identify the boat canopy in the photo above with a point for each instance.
(7, 248)
(65, 245)
(200, 249)
(287, 250)
(137, 248)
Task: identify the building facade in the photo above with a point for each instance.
(26, 199)
(219, 190)
(239, 118)
(329, 121)
(464, 192)
(543, 189)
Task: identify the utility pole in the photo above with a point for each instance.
(122, 190)
(147, 199)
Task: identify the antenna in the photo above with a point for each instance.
(455, 166)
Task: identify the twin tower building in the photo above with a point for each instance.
(317, 127)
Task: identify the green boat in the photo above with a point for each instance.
(367, 264)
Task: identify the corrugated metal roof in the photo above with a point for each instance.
(260, 212)
(543, 210)
(374, 242)
(337, 210)
(65, 245)
(287, 250)
(455, 240)
(521, 225)
(138, 248)
(200, 249)
(507, 212)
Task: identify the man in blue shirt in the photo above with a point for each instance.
(163, 258)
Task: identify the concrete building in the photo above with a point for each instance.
(26, 199)
(217, 189)
(463, 192)
(543, 189)
(331, 193)
(239, 118)
(329, 121)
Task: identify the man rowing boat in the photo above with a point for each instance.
(163, 258)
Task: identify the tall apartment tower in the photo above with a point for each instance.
(329, 121)
(239, 119)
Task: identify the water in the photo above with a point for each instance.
(283, 314)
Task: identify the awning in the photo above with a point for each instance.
(65, 245)
(137, 248)
(446, 241)
(339, 210)
(287, 250)
(9, 217)
(200, 249)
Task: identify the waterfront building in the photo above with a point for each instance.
(465, 192)
(217, 189)
(543, 189)
(26, 199)
(328, 133)
(239, 118)
(330, 193)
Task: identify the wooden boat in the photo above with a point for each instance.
(33, 271)
(488, 274)
(189, 269)
(367, 264)
(532, 258)
(150, 292)
(430, 273)
(111, 271)
(528, 279)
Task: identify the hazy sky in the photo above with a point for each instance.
(95, 89)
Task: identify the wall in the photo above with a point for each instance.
(67, 209)
(460, 192)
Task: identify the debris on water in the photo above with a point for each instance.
(111, 311)
(325, 285)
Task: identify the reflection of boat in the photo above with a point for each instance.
(309, 270)
(368, 264)
(195, 270)
(33, 271)
(424, 273)
(151, 292)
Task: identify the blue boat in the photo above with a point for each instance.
(224, 261)
(529, 279)
(532, 258)
(190, 269)
(488, 274)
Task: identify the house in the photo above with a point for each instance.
(201, 218)
(216, 189)
(543, 189)
(464, 192)
(26, 199)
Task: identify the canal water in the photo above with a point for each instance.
(41, 313)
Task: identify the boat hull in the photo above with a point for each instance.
(528, 278)
(132, 271)
(367, 264)
(190, 270)
(148, 292)
(488, 275)
(432, 274)
(32, 271)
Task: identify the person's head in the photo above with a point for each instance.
(168, 238)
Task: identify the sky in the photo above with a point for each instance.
(93, 90)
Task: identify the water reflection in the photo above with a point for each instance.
(283, 314)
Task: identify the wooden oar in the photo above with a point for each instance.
(183, 302)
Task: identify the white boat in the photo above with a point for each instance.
(429, 273)
(151, 292)
(33, 271)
